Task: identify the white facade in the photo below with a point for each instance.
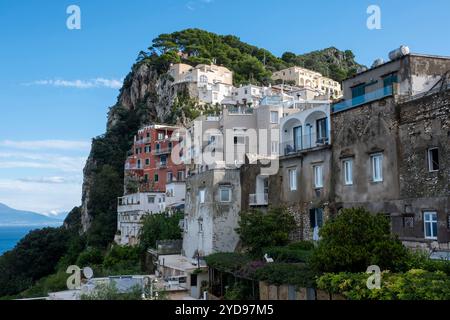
(307, 78)
(175, 194)
(131, 209)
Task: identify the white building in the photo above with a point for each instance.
(310, 79)
(131, 209)
(211, 84)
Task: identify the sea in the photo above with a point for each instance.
(9, 236)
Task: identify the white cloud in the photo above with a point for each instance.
(62, 163)
(52, 179)
(192, 5)
(39, 197)
(46, 144)
(80, 84)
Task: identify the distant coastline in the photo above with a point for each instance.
(11, 234)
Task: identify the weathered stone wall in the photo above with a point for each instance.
(219, 219)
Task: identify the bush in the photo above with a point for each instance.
(90, 257)
(227, 262)
(110, 292)
(258, 230)
(286, 254)
(53, 283)
(160, 227)
(415, 284)
(287, 273)
(122, 260)
(356, 239)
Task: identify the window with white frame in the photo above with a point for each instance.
(293, 179)
(169, 176)
(274, 148)
(433, 159)
(318, 176)
(202, 195)
(274, 117)
(377, 167)
(151, 199)
(160, 135)
(225, 194)
(203, 79)
(430, 224)
(348, 172)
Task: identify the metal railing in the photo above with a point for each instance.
(305, 142)
(258, 199)
(239, 110)
(162, 151)
(366, 98)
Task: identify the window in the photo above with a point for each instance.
(239, 140)
(145, 177)
(202, 196)
(136, 151)
(316, 217)
(318, 176)
(274, 148)
(203, 79)
(193, 280)
(151, 199)
(377, 167)
(225, 194)
(147, 162)
(160, 135)
(348, 172)
(200, 225)
(433, 159)
(359, 90)
(273, 116)
(156, 177)
(322, 135)
(139, 164)
(180, 176)
(293, 179)
(389, 80)
(430, 224)
(169, 176)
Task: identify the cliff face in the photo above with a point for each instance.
(150, 97)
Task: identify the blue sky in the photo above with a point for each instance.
(57, 84)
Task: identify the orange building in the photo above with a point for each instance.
(150, 161)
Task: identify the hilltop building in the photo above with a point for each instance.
(305, 78)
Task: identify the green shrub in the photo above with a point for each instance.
(53, 283)
(287, 273)
(259, 230)
(110, 292)
(286, 254)
(415, 284)
(356, 239)
(227, 262)
(90, 257)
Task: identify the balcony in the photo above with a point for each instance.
(368, 97)
(162, 165)
(309, 141)
(240, 110)
(258, 199)
(143, 141)
(162, 151)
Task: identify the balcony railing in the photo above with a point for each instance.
(240, 110)
(161, 151)
(162, 165)
(308, 141)
(143, 141)
(259, 199)
(368, 97)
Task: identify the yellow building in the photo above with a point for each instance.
(309, 79)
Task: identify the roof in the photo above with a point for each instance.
(399, 58)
